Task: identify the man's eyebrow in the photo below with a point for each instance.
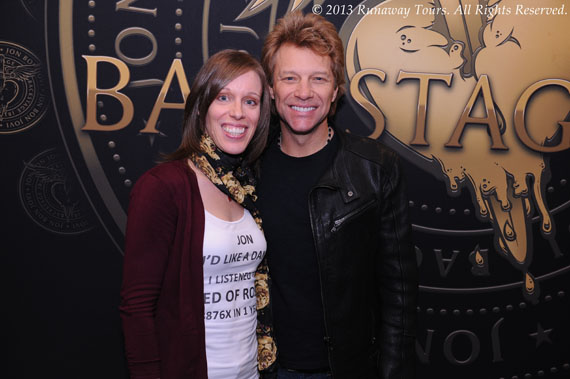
(325, 73)
(287, 72)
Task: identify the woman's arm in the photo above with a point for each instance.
(150, 230)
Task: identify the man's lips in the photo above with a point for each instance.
(303, 109)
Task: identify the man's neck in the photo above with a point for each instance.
(303, 145)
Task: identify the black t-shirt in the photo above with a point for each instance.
(283, 191)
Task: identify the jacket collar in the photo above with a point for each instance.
(337, 176)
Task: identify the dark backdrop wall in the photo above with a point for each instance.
(474, 95)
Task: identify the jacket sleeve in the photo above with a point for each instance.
(397, 276)
(150, 230)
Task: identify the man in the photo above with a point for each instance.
(335, 216)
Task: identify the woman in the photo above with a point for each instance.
(188, 300)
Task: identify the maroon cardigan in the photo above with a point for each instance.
(162, 296)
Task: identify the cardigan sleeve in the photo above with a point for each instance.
(150, 231)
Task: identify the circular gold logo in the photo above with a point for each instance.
(23, 98)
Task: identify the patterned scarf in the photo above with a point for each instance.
(235, 178)
(230, 174)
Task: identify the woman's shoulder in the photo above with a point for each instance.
(173, 174)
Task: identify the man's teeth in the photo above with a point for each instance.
(234, 130)
(303, 109)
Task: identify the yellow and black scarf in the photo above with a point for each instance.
(229, 173)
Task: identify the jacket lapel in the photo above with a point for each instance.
(337, 176)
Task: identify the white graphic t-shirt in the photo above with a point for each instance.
(232, 252)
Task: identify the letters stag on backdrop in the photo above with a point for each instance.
(473, 94)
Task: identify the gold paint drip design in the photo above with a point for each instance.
(510, 58)
(479, 259)
(529, 283)
(509, 232)
(541, 205)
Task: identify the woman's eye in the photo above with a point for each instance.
(223, 97)
(251, 102)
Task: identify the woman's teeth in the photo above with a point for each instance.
(234, 131)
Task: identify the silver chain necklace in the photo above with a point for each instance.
(328, 138)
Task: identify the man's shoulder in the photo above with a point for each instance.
(368, 149)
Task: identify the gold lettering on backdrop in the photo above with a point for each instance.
(177, 70)
(145, 83)
(491, 121)
(519, 120)
(375, 112)
(133, 32)
(92, 93)
(125, 5)
(420, 133)
(475, 40)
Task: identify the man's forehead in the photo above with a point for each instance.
(295, 59)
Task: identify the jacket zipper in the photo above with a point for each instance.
(327, 336)
(340, 221)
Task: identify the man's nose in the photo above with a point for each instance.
(304, 90)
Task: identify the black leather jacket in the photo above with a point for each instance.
(368, 272)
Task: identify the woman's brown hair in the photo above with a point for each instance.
(313, 32)
(217, 72)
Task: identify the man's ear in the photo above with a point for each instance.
(271, 93)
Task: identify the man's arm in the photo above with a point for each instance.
(397, 276)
